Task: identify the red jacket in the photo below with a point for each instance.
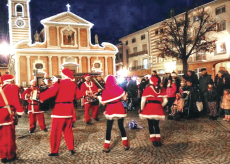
(171, 91)
(88, 86)
(26, 96)
(11, 92)
(65, 91)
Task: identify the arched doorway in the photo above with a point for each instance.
(225, 66)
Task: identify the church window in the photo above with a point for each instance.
(19, 10)
(69, 37)
(39, 65)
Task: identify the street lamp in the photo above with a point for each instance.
(5, 49)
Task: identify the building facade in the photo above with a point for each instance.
(137, 52)
(66, 42)
(215, 61)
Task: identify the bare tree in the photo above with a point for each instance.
(186, 34)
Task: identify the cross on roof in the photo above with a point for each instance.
(68, 7)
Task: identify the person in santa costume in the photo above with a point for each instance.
(35, 114)
(152, 102)
(111, 97)
(89, 89)
(7, 127)
(63, 113)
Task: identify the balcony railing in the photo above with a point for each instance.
(138, 53)
(138, 67)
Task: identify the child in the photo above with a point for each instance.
(226, 104)
(212, 101)
(177, 108)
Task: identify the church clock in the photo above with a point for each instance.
(20, 23)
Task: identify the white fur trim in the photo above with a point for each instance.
(152, 135)
(124, 138)
(165, 101)
(162, 96)
(31, 81)
(55, 116)
(34, 112)
(7, 81)
(107, 141)
(158, 135)
(143, 100)
(7, 123)
(148, 96)
(154, 117)
(111, 117)
(116, 98)
(20, 113)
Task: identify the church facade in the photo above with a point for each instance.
(66, 43)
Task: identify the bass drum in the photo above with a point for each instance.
(47, 104)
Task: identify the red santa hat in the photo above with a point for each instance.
(31, 81)
(110, 81)
(67, 73)
(173, 74)
(86, 76)
(7, 78)
(154, 80)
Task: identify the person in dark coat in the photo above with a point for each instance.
(155, 74)
(132, 93)
(204, 80)
(191, 75)
(175, 80)
(212, 97)
(190, 108)
(219, 84)
(142, 86)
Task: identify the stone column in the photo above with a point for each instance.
(88, 57)
(17, 67)
(80, 65)
(48, 36)
(50, 66)
(78, 37)
(106, 65)
(28, 70)
(59, 65)
(114, 65)
(58, 40)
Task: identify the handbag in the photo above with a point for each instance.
(199, 105)
(13, 115)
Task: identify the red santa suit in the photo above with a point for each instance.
(7, 128)
(33, 109)
(152, 102)
(62, 116)
(111, 96)
(86, 88)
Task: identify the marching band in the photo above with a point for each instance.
(64, 92)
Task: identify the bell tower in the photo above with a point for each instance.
(19, 20)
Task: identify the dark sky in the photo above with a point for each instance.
(112, 19)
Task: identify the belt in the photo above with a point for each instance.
(153, 101)
(33, 104)
(6, 106)
(113, 102)
(63, 102)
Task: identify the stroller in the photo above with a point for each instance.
(177, 108)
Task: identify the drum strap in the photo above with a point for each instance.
(5, 100)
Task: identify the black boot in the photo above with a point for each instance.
(53, 154)
(72, 152)
(159, 143)
(4, 160)
(13, 159)
(155, 144)
(96, 119)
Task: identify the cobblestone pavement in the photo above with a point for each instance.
(188, 141)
